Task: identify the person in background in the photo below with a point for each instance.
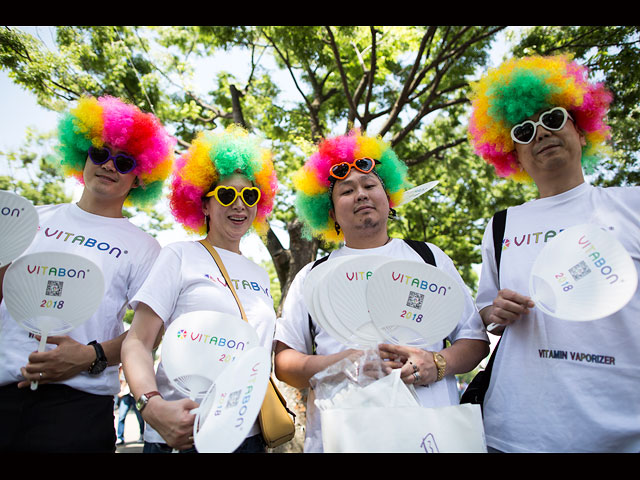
(542, 120)
(121, 155)
(222, 186)
(126, 403)
(345, 192)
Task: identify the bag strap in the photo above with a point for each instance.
(218, 260)
(499, 222)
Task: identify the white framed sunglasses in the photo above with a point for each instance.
(553, 120)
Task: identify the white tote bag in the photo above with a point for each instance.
(452, 429)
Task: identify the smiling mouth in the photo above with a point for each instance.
(237, 219)
(107, 177)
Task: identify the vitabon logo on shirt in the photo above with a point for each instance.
(529, 239)
(85, 241)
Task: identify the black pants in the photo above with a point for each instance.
(55, 419)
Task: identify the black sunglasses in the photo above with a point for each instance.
(123, 162)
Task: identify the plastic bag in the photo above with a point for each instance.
(361, 380)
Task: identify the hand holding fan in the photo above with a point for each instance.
(199, 345)
(50, 293)
(18, 226)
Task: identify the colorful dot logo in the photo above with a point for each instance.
(182, 334)
(505, 244)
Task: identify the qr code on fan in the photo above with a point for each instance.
(579, 271)
(415, 300)
(232, 401)
(54, 288)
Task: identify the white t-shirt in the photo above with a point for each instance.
(557, 385)
(293, 330)
(125, 255)
(185, 278)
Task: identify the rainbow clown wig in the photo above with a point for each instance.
(214, 156)
(96, 121)
(313, 193)
(520, 88)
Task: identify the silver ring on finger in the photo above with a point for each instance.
(416, 378)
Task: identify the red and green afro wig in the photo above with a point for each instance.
(312, 185)
(214, 156)
(520, 88)
(109, 120)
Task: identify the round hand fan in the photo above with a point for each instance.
(50, 293)
(18, 226)
(232, 404)
(199, 345)
(345, 289)
(582, 274)
(415, 192)
(413, 303)
(314, 281)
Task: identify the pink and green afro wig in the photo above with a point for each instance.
(109, 120)
(520, 88)
(215, 156)
(312, 185)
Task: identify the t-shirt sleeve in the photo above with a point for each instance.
(470, 325)
(161, 288)
(488, 285)
(292, 328)
(144, 264)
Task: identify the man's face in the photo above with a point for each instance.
(105, 181)
(360, 203)
(551, 152)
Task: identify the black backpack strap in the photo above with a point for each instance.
(312, 329)
(478, 387)
(499, 222)
(423, 250)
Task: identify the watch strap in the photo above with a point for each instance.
(144, 399)
(441, 365)
(100, 356)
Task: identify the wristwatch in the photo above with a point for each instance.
(100, 363)
(144, 399)
(441, 364)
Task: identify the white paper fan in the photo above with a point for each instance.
(232, 404)
(199, 345)
(18, 226)
(311, 291)
(413, 303)
(582, 274)
(346, 290)
(415, 192)
(50, 293)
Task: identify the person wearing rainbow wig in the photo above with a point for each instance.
(346, 191)
(222, 186)
(120, 154)
(542, 119)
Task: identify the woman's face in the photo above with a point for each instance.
(227, 225)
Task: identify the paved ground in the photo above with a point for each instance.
(131, 434)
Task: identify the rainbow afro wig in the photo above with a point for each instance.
(96, 121)
(214, 156)
(520, 88)
(313, 194)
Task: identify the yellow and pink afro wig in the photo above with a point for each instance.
(312, 185)
(215, 156)
(96, 121)
(520, 88)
